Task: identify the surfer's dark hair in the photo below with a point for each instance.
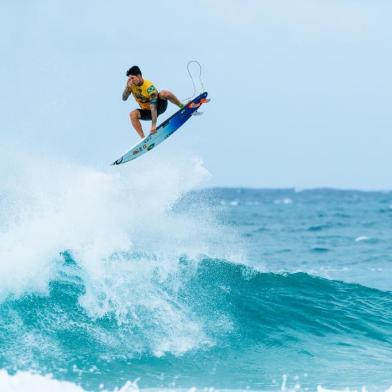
(134, 71)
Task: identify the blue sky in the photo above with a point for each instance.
(300, 90)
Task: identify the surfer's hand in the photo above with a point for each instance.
(129, 82)
(153, 129)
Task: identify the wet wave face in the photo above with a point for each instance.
(224, 324)
(111, 276)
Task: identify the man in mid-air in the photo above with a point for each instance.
(152, 103)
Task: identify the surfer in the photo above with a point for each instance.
(152, 103)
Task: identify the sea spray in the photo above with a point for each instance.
(49, 207)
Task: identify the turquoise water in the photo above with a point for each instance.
(222, 288)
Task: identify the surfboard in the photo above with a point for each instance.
(164, 130)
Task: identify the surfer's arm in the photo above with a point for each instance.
(154, 117)
(128, 90)
(126, 93)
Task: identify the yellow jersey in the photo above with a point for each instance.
(144, 94)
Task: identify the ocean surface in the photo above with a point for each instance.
(137, 279)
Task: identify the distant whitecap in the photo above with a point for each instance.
(361, 238)
(286, 200)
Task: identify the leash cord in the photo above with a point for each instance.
(193, 80)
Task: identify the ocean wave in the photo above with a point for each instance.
(176, 328)
(111, 276)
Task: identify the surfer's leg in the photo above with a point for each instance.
(165, 94)
(135, 120)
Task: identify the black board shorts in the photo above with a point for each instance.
(145, 114)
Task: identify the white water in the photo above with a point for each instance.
(27, 382)
(120, 229)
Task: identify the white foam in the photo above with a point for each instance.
(51, 206)
(28, 382)
(119, 227)
(361, 238)
(285, 200)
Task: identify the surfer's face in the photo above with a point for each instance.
(137, 80)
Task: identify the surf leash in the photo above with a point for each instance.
(193, 80)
